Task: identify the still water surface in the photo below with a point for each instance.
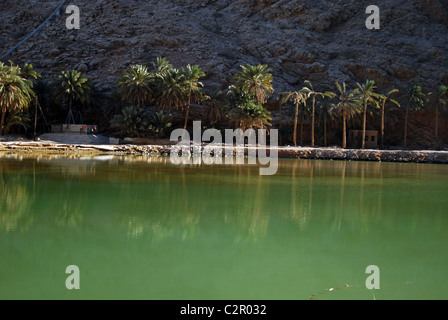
(142, 228)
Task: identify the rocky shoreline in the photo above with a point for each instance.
(415, 156)
(423, 156)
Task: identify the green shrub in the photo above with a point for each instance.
(16, 118)
(251, 115)
(133, 122)
(160, 124)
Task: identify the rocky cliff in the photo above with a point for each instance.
(320, 40)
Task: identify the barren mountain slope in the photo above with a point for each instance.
(320, 40)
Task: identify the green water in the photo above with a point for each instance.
(142, 228)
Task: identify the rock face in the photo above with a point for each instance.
(320, 40)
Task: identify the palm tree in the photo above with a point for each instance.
(384, 98)
(416, 101)
(160, 124)
(161, 65)
(251, 115)
(172, 90)
(135, 85)
(441, 100)
(256, 80)
(311, 93)
(15, 92)
(304, 114)
(193, 87)
(280, 110)
(133, 121)
(17, 118)
(28, 72)
(72, 86)
(215, 110)
(325, 114)
(244, 111)
(348, 106)
(298, 98)
(367, 96)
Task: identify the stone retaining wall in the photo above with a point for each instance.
(426, 156)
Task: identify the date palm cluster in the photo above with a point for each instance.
(349, 104)
(243, 105)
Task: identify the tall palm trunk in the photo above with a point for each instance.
(140, 102)
(2, 123)
(295, 124)
(312, 121)
(364, 124)
(406, 127)
(383, 120)
(344, 135)
(280, 121)
(70, 116)
(437, 121)
(301, 130)
(188, 111)
(325, 133)
(35, 120)
(281, 115)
